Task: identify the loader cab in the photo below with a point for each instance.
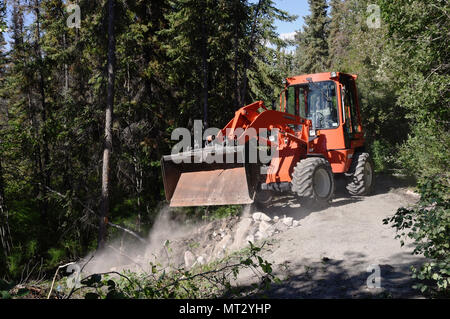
(330, 101)
(316, 101)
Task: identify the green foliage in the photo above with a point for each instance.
(56, 256)
(418, 57)
(423, 154)
(312, 53)
(5, 288)
(224, 211)
(206, 281)
(381, 155)
(209, 213)
(428, 225)
(21, 258)
(15, 262)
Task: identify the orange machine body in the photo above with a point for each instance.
(295, 144)
(318, 116)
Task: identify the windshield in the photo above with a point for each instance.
(316, 101)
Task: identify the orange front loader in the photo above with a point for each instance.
(315, 133)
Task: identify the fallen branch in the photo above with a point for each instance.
(128, 231)
(54, 277)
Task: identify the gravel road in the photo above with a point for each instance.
(329, 254)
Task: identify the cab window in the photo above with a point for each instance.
(351, 115)
(316, 101)
(322, 105)
(296, 97)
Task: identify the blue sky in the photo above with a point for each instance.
(297, 7)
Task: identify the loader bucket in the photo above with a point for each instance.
(197, 182)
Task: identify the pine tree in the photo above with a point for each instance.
(5, 234)
(105, 205)
(338, 34)
(312, 52)
(263, 77)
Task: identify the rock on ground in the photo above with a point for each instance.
(189, 259)
(258, 216)
(243, 230)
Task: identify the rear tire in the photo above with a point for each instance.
(313, 181)
(360, 176)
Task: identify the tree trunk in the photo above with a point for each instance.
(237, 95)
(104, 213)
(5, 234)
(17, 23)
(205, 74)
(44, 172)
(66, 71)
(248, 57)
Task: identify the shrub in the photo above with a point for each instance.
(381, 155)
(428, 225)
(56, 255)
(209, 212)
(204, 281)
(424, 153)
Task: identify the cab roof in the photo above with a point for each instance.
(317, 77)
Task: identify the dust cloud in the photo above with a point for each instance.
(173, 242)
(128, 253)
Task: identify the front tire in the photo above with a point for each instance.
(360, 176)
(313, 181)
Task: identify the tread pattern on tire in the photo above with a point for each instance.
(355, 176)
(302, 178)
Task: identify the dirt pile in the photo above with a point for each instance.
(172, 243)
(217, 239)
